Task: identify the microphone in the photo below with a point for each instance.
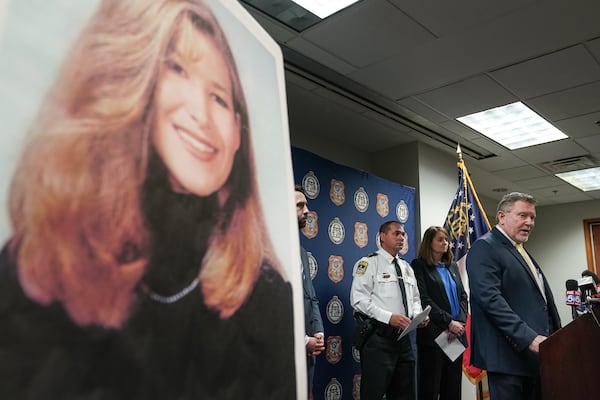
(587, 287)
(572, 296)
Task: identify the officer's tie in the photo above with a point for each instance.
(402, 288)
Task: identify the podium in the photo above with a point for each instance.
(570, 360)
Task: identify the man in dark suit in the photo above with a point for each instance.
(313, 324)
(512, 307)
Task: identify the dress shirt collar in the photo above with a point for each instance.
(504, 233)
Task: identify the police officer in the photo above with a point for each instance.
(384, 289)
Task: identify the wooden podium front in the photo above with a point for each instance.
(570, 360)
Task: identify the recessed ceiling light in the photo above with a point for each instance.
(324, 8)
(513, 125)
(584, 179)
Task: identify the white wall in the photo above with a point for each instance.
(558, 245)
(331, 150)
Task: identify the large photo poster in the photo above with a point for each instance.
(147, 221)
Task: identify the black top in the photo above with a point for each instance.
(433, 293)
(181, 350)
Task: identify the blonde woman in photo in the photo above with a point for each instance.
(139, 266)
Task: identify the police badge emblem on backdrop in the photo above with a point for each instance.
(361, 236)
(311, 229)
(335, 310)
(312, 263)
(311, 185)
(333, 390)
(361, 200)
(337, 232)
(383, 206)
(336, 193)
(335, 271)
(333, 351)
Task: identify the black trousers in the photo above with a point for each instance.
(310, 373)
(438, 375)
(513, 387)
(388, 367)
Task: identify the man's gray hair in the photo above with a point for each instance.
(510, 198)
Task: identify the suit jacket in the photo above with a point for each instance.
(507, 309)
(312, 316)
(433, 293)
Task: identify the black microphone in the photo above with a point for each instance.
(587, 287)
(572, 296)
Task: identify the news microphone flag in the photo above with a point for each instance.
(466, 222)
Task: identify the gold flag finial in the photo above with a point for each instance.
(459, 152)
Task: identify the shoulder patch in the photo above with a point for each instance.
(362, 267)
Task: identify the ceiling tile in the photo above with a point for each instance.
(541, 28)
(563, 69)
(461, 130)
(414, 105)
(590, 143)
(550, 151)
(356, 38)
(467, 97)
(524, 172)
(568, 103)
(594, 46)
(541, 182)
(501, 162)
(446, 17)
(581, 126)
(322, 56)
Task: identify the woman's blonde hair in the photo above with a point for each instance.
(425, 251)
(80, 235)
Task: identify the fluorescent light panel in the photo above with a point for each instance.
(584, 179)
(324, 8)
(513, 125)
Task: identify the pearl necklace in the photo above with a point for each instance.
(173, 298)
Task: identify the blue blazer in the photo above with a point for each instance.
(507, 309)
(312, 316)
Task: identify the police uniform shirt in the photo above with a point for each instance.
(375, 290)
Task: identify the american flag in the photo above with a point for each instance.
(466, 222)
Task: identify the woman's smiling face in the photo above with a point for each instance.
(197, 130)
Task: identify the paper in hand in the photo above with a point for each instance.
(414, 323)
(452, 349)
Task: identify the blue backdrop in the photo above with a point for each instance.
(347, 207)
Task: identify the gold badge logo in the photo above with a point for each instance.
(383, 206)
(336, 192)
(356, 387)
(334, 349)
(312, 225)
(335, 271)
(361, 237)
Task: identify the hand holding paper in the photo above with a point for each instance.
(415, 322)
